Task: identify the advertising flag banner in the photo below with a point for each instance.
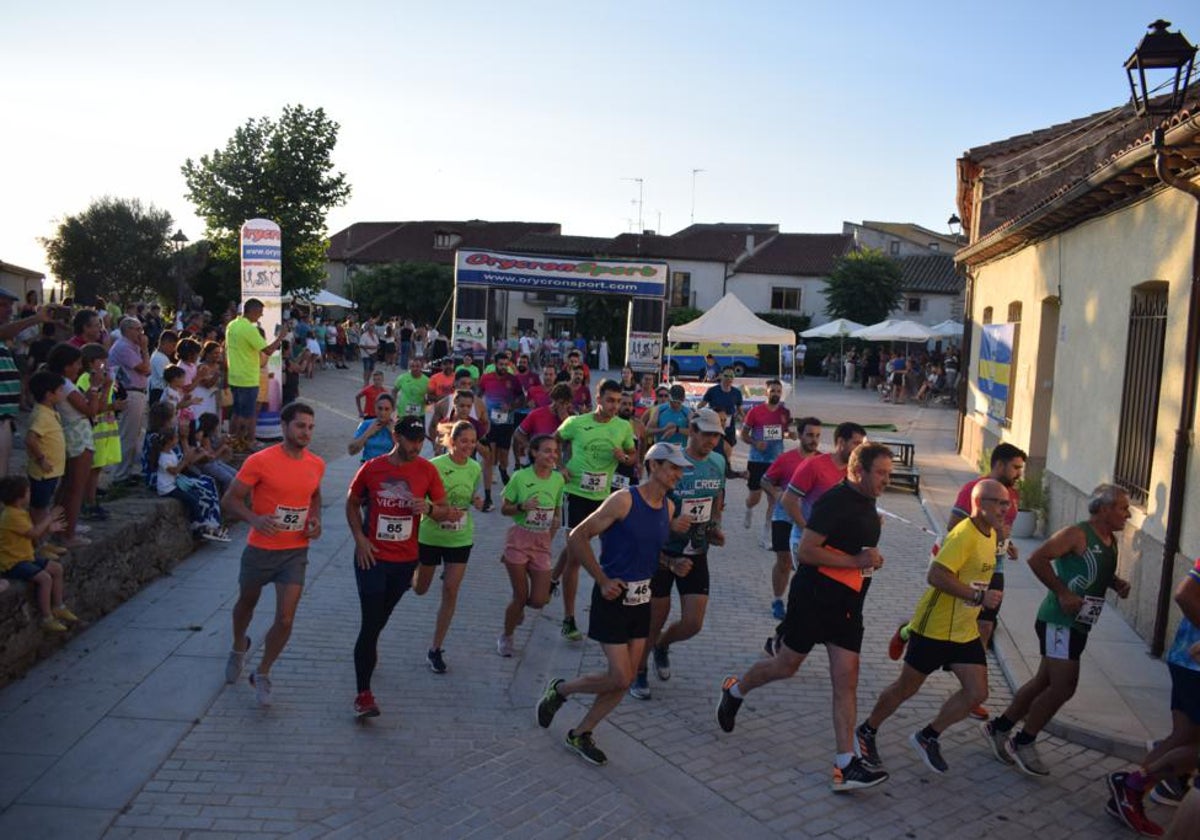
(995, 366)
(565, 275)
(261, 249)
(644, 351)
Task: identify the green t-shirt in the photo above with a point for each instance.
(1087, 575)
(242, 347)
(592, 461)
(525, 484)
(410, 394)
(460, 481)
(474, 372)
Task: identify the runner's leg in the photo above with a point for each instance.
(287, 599)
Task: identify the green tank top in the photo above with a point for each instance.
(1087, 574)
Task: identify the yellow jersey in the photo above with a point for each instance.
(971, 556)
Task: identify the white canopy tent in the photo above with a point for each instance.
(838, 328)
(732, 322)
(323, 298)
(905, 331)
(947, 329)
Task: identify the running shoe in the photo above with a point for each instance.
(930, 751)
(63, 613)
(569, 631)
(583, 744)
(728, 705)
(778, 610)
(640, 687)
(1170, 792)
(748, 519)
(662, 663)
(1126, 806)
(437, 663)
(867, 750)
(52, 625)
(856, 776)
(896, 645)
(996, 740)
(262, 688)
(365, 706)
(553, 588)
(488, 505)
(549, 704)
(504, 645)
(1026, 756)
(980, 712)
(235, 663)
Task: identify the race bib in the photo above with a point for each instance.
(393, 528)
(772, 433)
(291, 518)
(620, 482)
(413, 409)
(637, 592)
(699, 509)
(593, 482)
(539, 519)
(457, 525)
(1089, 613)
(499, 415)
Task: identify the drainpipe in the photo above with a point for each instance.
(1187, 410)
(964, 361)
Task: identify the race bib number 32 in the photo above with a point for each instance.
(593, 482)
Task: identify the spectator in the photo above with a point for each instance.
(45, 447)
(129, 360)
(18, 560)
(178, 398)
(168, 462)
(368, 347)
(76, 411)
(244, 346)
(87, 328)
(162, 357)
(105, 429)
(153, 324)
(213, 451)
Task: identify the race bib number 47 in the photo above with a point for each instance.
(699, 509)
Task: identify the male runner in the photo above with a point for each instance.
(945, 630)
(838, 553)
(441, 384)
(633, 526)
(727, 399)
(461, 405)
(1085, 567)
(627, 475)
(764, 429)
(669, 423)
(502, 396)
(283, 483)
(387, 498)
(411, 388)
(817, 475)
(699, 498)
(593, 445)
(774, 483)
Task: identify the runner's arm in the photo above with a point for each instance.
(364, 551)
(616, 507)
(233, 503)
(791, 502)
(944, 580)
(1187, 596)
(313, 523)
(813, 552)
(1066, 541)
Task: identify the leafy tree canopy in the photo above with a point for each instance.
(603, 316)
(117, 248)
(864, 286)
(415, 290)
(280, 170)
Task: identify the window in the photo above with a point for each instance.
(894, 247)
(681, 288)
(913, 304)
(444, 240)
(934, 246)
(987, 314)
(1139, 395)
(1014, 318)
(787, 300)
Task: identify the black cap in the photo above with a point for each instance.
(411, 427)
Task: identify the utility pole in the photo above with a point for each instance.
(694, 171)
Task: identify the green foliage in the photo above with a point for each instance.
(603, 316)
(278, 170)
(415, 290)
(116, 247)
(795, 323)
(864, 286)
(1033, 493)
(682, 315)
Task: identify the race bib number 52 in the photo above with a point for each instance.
(291, 518)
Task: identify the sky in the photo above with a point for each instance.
(804, 114)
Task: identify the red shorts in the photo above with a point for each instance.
(528, 548)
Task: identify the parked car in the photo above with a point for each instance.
(687, 357)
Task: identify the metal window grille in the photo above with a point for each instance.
(1139, 398)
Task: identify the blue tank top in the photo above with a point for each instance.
(629, 549)
(680, 417)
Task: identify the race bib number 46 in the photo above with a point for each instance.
(637, 593)
(291, 518)
(393, 528)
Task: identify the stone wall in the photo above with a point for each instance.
(146, 537)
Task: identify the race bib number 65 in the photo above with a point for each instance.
(393, 528)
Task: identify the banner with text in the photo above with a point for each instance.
(995, 367)
(564, 275)
(261, 249)
(644, 351)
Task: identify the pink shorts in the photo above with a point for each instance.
(527, 548)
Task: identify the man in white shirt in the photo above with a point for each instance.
(158, 363)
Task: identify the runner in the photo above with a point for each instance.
(669, 423)
(283, 483)
(945, 629)
(817, 475)
(633, 526)
(441, 384)
(411, 388)
(700, 498)
(543, 420)
(386, 496)
(364, 400)
(838, 554)
(628, 474)
(727, 400)
(461, 405)
(1165, 769)
(1085, 567)
(774, 483)
(765, 428)
(533, 498)
(593, 445)
(502, 395)
(373, 437)
(449, 540)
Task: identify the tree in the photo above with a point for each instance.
(416, 290)
(864, 286)
(603, 316)
(116, 247)
(279, 170)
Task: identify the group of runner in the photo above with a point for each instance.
(652, 490)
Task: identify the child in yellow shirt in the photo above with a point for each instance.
(45, 445)
(18, 535)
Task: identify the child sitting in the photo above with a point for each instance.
(168, 462)
(213, 450)
(18, 560)
(175, 379)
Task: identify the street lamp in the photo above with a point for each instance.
(954, 224)
(178, 241)
(1168, 56)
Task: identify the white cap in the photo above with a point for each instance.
(707, 420)
(668, 452)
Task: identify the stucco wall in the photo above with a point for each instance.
(754, 290)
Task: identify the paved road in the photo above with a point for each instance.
(459, 754)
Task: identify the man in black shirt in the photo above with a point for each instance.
(838, 554)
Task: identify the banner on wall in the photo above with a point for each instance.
(470, 336)
(643, 351)
(995, 367)
(532, 273)
(261, 249)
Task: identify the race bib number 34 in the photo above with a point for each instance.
(539, 519)
(393, 528)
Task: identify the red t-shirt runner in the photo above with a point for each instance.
(962, 505)
(281, 487)
(813, 478)
(540, 421)
(392, 497)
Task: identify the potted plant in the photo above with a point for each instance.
(1031, 513)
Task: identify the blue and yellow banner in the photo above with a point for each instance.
(995, 363)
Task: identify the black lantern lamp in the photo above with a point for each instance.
(1168, 56)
